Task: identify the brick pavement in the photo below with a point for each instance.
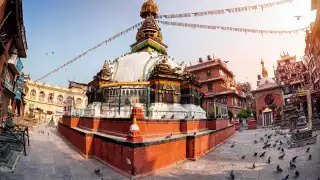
(50, 158)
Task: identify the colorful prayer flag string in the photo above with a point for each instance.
(92, 49)
(225, 11)
(224, 28)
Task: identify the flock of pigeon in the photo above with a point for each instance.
(268, 144)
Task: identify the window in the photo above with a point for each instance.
(50, 97)
(209, 86)
(60, 98)
(69, 99)
(33, 94)
(79, 101)
(208, 73)
(41, 96)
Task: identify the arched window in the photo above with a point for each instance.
(33, 93)
(50, 97)
(69, 99)
(26, 90)
(60, 99)
(42, 95)
(79, 101)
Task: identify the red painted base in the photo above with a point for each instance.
(141, 158)
(252, 124)
(236, 125)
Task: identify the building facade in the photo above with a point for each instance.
(44, 101)
(13, 47)
(218, 84)
(268, 98)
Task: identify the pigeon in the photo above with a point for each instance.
(279, 148)
(269, 136)
(281, 157)
(277, 141)
(292, 166)
(232, 145)
(169, 136)
(242, 157)
(172, 117)
(261, 138)
(298, 17)
(294, 159)
(308, 149)
(269, 160)
(297, 173)
(310, 156)
(282, 149)
(278, 169)
(253, 165)
(261, 155)
(226, 62)
(164, 116)
(192, 117)
(286, 177)
(274, 145)
(266, 142)
(97, 171)
(255, 141)
(255, 154)
(280, 142)
(231, 175)
(264, 147)
(266, 135)
(268, 145)
(186, 117)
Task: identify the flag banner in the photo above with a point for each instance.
(91, 49)
(224, 28)
(228, 10)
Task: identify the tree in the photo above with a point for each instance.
(244, 114)
(255, 115)
(230, 114)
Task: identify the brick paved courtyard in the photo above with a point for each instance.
(50, 158)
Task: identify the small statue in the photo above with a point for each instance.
(302, 120)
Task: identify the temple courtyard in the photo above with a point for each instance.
(49, 157)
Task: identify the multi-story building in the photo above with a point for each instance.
(290, 72)
(218, 84)
(246, 88)
(44, 100)
(13, 46)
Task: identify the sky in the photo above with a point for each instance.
(68, 28)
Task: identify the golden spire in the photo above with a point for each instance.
(264, 70)
(149, 7)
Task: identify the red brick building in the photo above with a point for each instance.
(218, 84)
(267, 98)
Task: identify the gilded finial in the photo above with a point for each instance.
(134, 120)
(264, 70)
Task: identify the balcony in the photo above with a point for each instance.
(15, 64)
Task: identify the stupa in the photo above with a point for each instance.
(144, 110)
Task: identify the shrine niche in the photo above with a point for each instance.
(168, 96)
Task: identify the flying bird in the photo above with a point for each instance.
(298, 17)
(226, 62)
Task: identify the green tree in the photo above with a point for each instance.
(255, 115)
(244, 114)
(230, 114)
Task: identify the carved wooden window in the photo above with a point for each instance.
(209, 86)
(50, 97)
(208, 73)
(41, 96)
(269, 99)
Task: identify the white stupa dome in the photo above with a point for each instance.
(134, 127)
(266, 82)
(137, 66)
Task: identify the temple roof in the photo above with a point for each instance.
(164, 71)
